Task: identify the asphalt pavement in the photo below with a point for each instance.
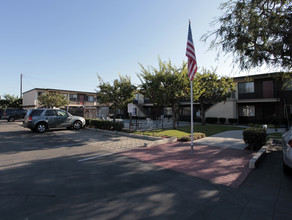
(61, 185)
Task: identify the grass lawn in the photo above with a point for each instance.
(275, 135)
(208, 130)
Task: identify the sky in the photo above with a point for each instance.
(64, 44)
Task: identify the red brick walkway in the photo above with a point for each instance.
(217, 164)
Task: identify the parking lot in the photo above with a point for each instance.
(50, 176)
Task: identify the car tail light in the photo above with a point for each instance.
(30, 118)
(290, 143)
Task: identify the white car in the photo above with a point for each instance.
(287, 150)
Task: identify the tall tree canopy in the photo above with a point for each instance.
(10, 101)
(165, 85)
(211, 89)
(257, 32)
(118, 95)
(53, 99)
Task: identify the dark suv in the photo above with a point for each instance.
(13, 113)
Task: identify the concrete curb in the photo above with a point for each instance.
(156, 140)
(163, 141)
(258, 157)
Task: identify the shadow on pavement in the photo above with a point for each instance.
(118, 187)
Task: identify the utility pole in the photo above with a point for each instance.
(20, 85)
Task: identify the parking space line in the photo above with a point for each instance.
(95, 157)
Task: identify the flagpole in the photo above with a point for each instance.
(192, 114)
(192, 121)
(192, 69)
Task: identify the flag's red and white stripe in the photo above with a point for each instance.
(190, 53)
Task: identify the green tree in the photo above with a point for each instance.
(210, 89)
(165, 86)
(10, 101)
(257, 32)
(53, 99)
(117, 95)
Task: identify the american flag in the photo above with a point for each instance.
(190, 53)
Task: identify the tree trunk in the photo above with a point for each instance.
(173, 117)
(115, 112)
(203, 119)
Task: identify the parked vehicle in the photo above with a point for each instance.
(287, 151)
(13, 113)
(40, 120)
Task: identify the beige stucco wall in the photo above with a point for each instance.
(223, 110)
(29, 99)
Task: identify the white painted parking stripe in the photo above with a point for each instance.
(95, 157)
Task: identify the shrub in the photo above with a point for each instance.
(248, 120)
(211, 120)
(184, 139)
(232, 120)
(106, 125)
(198, 136)
(222, 120)
(87, 122)
(118, 126)
(255, 138)
(188, 138)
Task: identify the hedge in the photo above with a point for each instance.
(211, 120)
(222, 120)
(232, 120)
(255, 138)
(106, 125)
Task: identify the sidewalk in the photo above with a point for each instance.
(229, 139)
(220, 165)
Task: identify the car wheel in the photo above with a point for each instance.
(11, 119)
(77, 125)
(41, 127)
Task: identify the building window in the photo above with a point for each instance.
(246, 87)
(41, 93)
(247, 111)
(90, 98)
(65, 94)
(288, 85)
(73, 97)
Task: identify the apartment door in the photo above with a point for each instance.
(268, 89)
(269, 111)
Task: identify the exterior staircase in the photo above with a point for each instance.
(142, 109)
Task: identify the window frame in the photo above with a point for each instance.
(73, 97)
(245, 110)
(92, 100)
(245, 88)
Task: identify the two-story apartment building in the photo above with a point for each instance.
(79, 102)
(262, 98)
